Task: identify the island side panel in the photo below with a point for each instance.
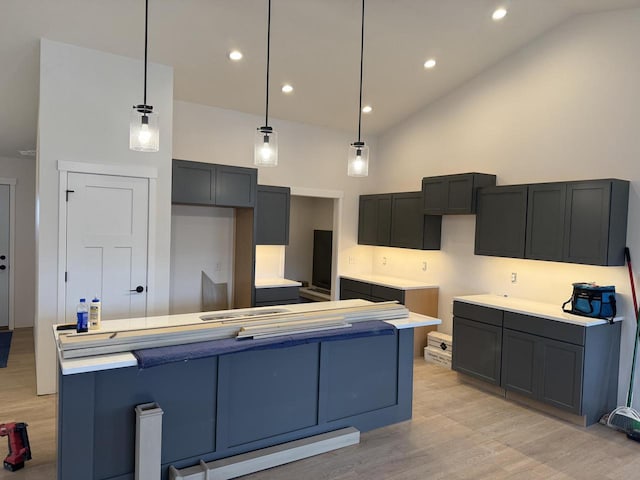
(97, 409)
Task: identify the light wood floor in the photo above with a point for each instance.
(457, 432)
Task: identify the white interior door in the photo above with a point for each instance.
(107, 224)
(4, 255)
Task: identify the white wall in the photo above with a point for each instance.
(201, 241)
(85, 103)
(23, 263)
(566, 107)
(307, 214)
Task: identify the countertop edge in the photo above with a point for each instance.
(580, 321)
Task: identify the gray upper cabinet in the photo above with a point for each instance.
(200, 183)
(595, 224)
(501, 221)
(193, 183)
(374, 220)
(272, 215)
(453, 194)
(578, 222)
(410, 228)
(545, 221)
(236, 186)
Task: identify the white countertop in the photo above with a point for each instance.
(393, 282)
(127, 359)
(276, 282)
(529, 307)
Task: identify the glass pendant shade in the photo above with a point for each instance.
(266, 147)
(144, 133)
(358, 164)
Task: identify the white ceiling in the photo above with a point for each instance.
(315, 46)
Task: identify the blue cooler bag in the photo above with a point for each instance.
(591, 300)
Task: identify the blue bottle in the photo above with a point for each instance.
(83, 316)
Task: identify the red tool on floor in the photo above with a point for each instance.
(19, 449)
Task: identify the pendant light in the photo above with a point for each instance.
(143, 127)
(358, 164)
(265, 153)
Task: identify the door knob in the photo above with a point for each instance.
(3, 267)
(138, 289)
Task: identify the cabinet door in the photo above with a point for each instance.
(519, 362)
(545, 221)
(192, 183)
(560, 365)
(434, 191)
(235, 186)
(460, 194)
(374, 220)
(501, 221)
(410, 228)
(477, 349)
(272, 215)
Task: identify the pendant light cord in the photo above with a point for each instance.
(361, 63)
(146, 21)
(266, 109)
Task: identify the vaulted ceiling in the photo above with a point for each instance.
(315, 47)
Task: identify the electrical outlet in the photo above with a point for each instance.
(218, 266)
(384, 260)
(352, 260)
(514, 277)
(424, 266)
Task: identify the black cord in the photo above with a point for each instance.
(266, 109)
(146, 21)
(361, 62)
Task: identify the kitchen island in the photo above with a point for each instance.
(227, 404)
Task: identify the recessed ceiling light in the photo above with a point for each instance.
(499, 14)
(286, 88)
(235, 55)
(430, 63)
(367, 109)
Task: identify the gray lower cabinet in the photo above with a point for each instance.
(453, 194)
(543, 369)
(567, 366)
(197, 183)
(501, 221)
(272, 215)
(353, 289)
(477, 341)
(374, 220)
(276, 296)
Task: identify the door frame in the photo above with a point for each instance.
(12, 237)
(135, 171)
(337, 196)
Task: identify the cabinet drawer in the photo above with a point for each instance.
(279, 294)
(478, 313)
(564, 332)
(355, 286)
(387, 294)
